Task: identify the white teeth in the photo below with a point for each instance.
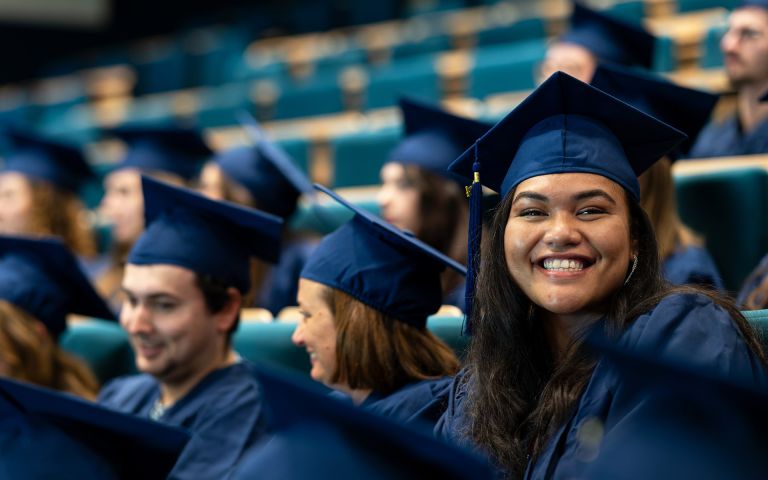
(563, 265)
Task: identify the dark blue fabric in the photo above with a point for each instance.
(692, 265)
(39, 158)
(433, 138)
(48, 434)
(726, 138)
(223, 413)
(281, 283)
(43, 278)
(177, 150)
(209, 237)
(686, 328)
(684, 108)
(608, 38)
(682, 328)
(419, 403)
(318, 436)
(381, 266)
(564, 126)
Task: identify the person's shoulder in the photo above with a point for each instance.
(677, 307)
(126, 391)
(235, 381)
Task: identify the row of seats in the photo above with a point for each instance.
(104, 345)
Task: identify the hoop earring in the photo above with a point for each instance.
(634, 266)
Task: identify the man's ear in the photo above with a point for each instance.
(227, 316)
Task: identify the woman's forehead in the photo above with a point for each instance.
(568, 184)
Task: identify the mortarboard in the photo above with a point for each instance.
(39, 158)
(564, 126)
(209, 237)
(684, 108)
(47, 434)
(608, 38)
(42, 277)
(683, 421)
(753, 3)
(266, 171)
(315, 435)
(381, 266)
(177, 150)
(433, 138)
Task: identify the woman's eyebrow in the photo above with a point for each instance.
(530, 196)
(594, 193)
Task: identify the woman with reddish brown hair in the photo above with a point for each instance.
(420, 195)
(365, 295)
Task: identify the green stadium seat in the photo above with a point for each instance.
(631, 11)
(711, 56)
(691, 5)
(103, 345)
(298, 149)
(664, 55)
(730, 208)
(318, 96)
(218, 106)
(358, 157)
(449, 330)
(505, 68)
(323, 218)
(759, 320)
(415, 76)
(271, 343)
(431, 44)
(160, 67)
(525, 29)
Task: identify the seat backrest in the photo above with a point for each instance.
(759, 320)
(730, 209)
(102, 345)
(271, 343)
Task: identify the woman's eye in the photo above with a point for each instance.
(531, 212)
(590, 211)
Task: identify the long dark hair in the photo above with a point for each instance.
(518, 394)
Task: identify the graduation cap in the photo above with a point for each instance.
(608, 38)
(47, 434)
(317, 436)
(434, 137)
(681, 421)
(564, 126)
(60, 164)
(266, 171)
(381, 266)
(753, 3)
(177, 150)
(684, 108)
(209, 237)
(42, 277)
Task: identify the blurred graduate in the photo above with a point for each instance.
(183, 286)
(262, 176)
(364, 297)
(595, 38)
(420, 195)
(40, 183)
(571, 251)
(40, 284)
(171, 154)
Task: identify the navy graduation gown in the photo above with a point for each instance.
(282, 281)
(692, 265)
(689, 327)
(722, 139)
(420, 403)
(223, 413)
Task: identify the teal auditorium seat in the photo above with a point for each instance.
(358, 157)
(326, 217)
(505, 68)
(103, 345)
(730, 208)
(298, 149)
(664, 54)
(218, 106)
(525, 29)
(759, 320)
(318, 96)
(631, 11)
(691, 5)
(415, 76)
(711, 56)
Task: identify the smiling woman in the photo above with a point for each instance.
(571, 254)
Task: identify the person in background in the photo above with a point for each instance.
(364, 296)
(183, 287)
(571, 253)
(596, 38)
(684, 258)
(262, 176)
(419, 195)
(40, 284)
(745, 50)
(171, 154)
(39, 185)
